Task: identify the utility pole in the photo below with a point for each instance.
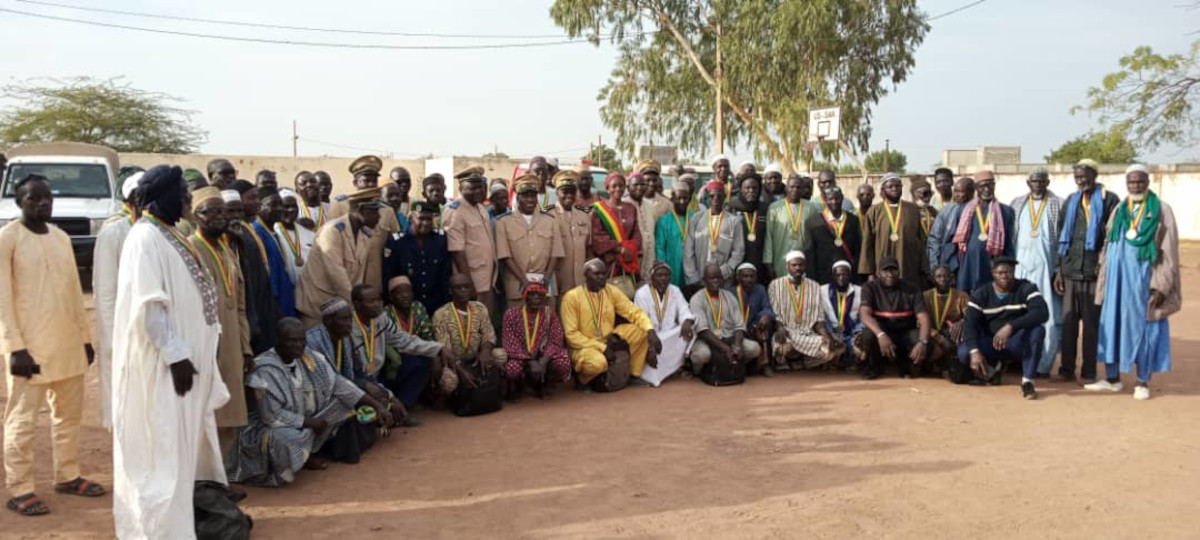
(887, 155)
(719, 72)
(295, 138)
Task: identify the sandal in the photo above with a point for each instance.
(28, 505)
(81, 487)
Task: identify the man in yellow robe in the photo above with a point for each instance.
(589, 318)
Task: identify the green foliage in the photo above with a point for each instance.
(107, 113)
(1110, 146)
(1150, 98)
(896, 161)
(779, 59)
(605, 157)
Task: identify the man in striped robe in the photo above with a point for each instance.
(801, 336)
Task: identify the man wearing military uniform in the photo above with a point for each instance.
(420, 253)
(365, 170)
(338, 260)
(470, 237)
(575, 228)
(527, 241)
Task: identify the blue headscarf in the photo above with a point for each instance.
(161, 190)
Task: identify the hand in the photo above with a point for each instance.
(1059, 286)
(485, 357)
(21, 364)
(764, 322)
(652, 359)
(386, 418)
(306, 223)
(396, 412)
(466, 377)
(686, 332)
(956, 332)
(181, 375)
(917, 354)
(886, 346)
(1001, 338)
(90, 352)
(737, 352)
(978, 365)
(655, 343)
(1156, 299)
(781, 336)
(318, 425)
(247, 363)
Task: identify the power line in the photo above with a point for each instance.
(287, 27)
(935, 17)
(293, 42)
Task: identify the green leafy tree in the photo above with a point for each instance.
(1151, 98)
(896, 161)
(605, 157)
(107, 113)
(1111, 146)
(769, 61)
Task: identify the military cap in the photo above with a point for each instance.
(426, 206)
(527, 183)
(565, 179)
(368, 197)
(470, 174)
(366, 165)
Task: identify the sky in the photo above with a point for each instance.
(1004, 72)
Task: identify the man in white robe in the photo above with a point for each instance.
(668, 311)
(165, 381)
(106, 259)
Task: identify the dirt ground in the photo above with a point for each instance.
(800, 455)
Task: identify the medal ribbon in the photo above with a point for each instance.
(370, 341)
(596, 302)
(407, 326)
(798, 300)
(794, 218)
(836, 225)
(128, 211)
(683, 225)
(715, 232)
(894, 219)
(174, 234)
(339, 356)
(462, 330)
(320, 213)
(293, 245)
(1035, 214)
(718, 311)
(223, 268)
(926, 221)
(262, 250)
(843, 299)
(1086, 202)
(750, 218)
(531, 338)
(743, 305)
(940, 311)
(1141, 214)
(983, 223)
(660, 304)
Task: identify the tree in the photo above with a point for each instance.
(1151, 98)
(1110, 146)
(776, 61)
(604, 157)
(107, 113)
(896, 161)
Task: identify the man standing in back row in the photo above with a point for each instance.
(893, 229)
(471, 240)
(1080, 242)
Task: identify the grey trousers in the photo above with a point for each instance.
(1079, 305)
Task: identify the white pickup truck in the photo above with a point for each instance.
(83, 180)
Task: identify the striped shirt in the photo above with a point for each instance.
(987, 312)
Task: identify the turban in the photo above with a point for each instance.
(649, 165)
(231, 195)
(333, 306)
(634, 174)
(747, 266)
(162, 191)
(1137, 167)
(534, 286)
(612, 176)
(398, 281)
(843, 263)
(714, 185)
(890, 177)
(791, 255)
(130, 184)
(204, 194)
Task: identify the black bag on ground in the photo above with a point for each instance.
(722, 371)
(616, 352)
(488, 397)
(217, 514)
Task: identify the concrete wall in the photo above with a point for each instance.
(285, 167)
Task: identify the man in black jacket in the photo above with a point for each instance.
(1004, 318)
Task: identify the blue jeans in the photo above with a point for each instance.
(1025, 344)
(411, 380)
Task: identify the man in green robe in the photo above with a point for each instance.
(787, 227)
(670, 231)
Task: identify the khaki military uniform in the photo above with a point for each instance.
(575, 229)
(469, 230)
(337, 262)
(531, 245)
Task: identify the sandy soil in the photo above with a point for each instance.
(806, 455)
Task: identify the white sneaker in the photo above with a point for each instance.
(1103, 385)
(1141, 393)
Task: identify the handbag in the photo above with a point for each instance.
(487, 397)
(625, 284)
(616, 377)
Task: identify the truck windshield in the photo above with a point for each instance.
(82, 180)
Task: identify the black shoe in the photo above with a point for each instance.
(1028, 391)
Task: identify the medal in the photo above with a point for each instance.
(1033, 234)
(894, 237)
(751, 218)
(751, 237)
(982, 237)
(984, 225)
(838, 241)
(1131, 234)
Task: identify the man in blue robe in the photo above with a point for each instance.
(984, 230)
(270, 211)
